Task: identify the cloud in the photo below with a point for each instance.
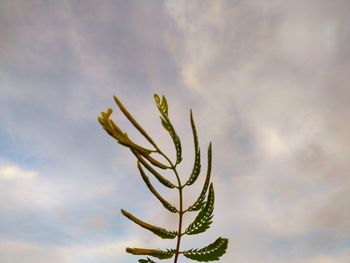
(267, 82)
(12, 172)
(269, 72)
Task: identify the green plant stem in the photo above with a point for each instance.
(180, 217)
(181, 212)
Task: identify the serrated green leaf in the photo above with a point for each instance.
(209, 253)
(165, 124)
(148, 260)
(159, 177)
(165, 203)
(204, 219)
(161, 232)
(176, 140)
(162, 106)
(197, 161)
(177, 143)
(194, 131)
(165, 105)
(196, 168)
(161, 254)
(200, 201)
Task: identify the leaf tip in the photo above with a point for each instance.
(156, 98)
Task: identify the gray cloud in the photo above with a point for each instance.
(267, 81)
(268, 69)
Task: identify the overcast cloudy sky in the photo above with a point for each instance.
(267, 80)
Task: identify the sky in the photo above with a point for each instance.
(268, 84)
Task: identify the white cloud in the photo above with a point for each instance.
(274, 143)
(13, 172)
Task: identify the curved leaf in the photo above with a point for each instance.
(161, 254)
(162, 106)
(161, 232)
(113, 130)
(197, 161)
(209, 253)
(165, 203)
(205, 216)
(159, 177)
(200, 201)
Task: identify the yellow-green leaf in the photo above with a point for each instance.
(113, 130)
(132, 120)
(161, 254)
(161, 232)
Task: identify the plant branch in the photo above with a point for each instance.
(180, 210)
(180, 217)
